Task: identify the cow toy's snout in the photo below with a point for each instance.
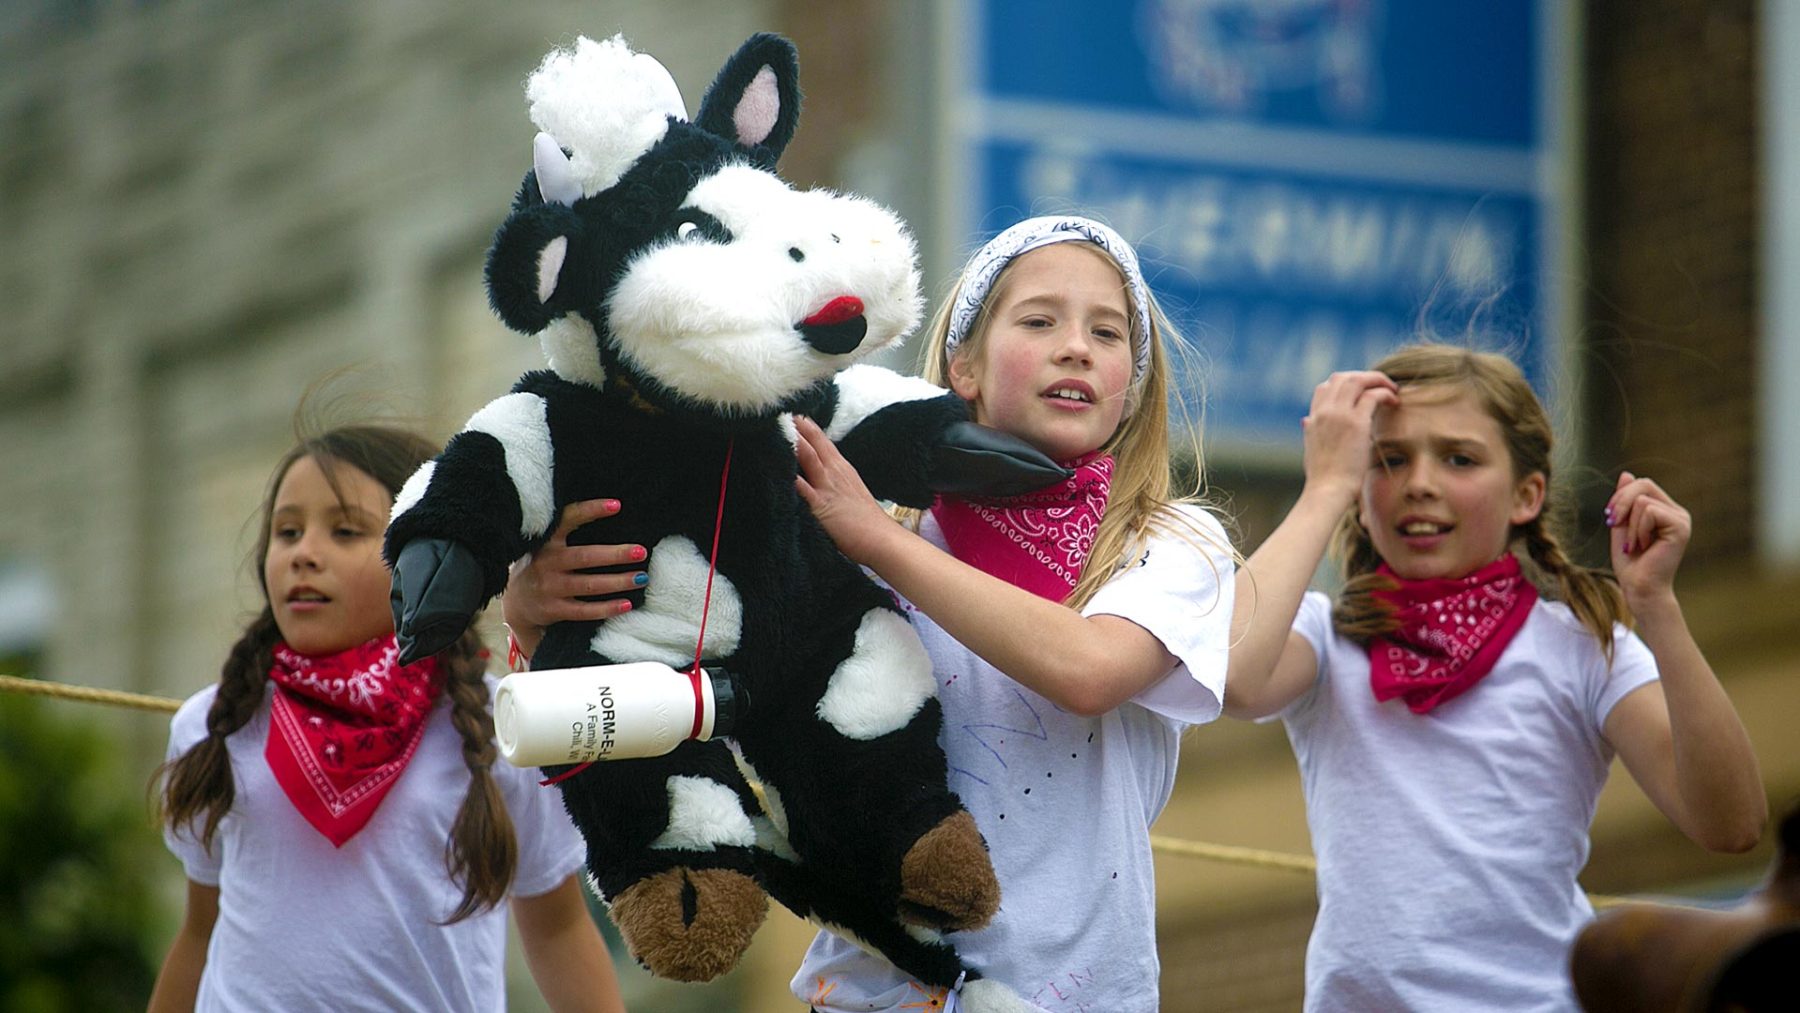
(838, 328)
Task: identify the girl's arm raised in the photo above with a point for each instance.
(1271, 666)
(178, 983)
(1680, 738)
(567, 957)
(1086, 665)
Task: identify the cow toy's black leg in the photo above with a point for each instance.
(669, 838)
(855, 786)
(669, 850)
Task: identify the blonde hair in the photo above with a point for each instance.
(1143, 482)
(1502, 391)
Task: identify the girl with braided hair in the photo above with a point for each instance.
(349, 841)
(1456, 712)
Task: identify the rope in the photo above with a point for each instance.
(119, 698)
(1225, 853)
(1281, 861)
(1255, 857)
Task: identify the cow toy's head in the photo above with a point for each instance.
(663, 258)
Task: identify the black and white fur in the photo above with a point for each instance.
(677, 285)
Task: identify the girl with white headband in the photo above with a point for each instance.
(1075, 631)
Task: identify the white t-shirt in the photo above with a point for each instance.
(1449, 842)
(1065, 801)
(306, 926)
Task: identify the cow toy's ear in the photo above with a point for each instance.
(525, 266)
(755, 100)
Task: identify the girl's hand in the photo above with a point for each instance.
(547, 586)
(1338, 430)
(1650, 532)
(836, 494)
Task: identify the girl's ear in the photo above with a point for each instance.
(755, 100)
(965, 377)
(1528, 499)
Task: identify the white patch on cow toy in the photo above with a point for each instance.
(703, 815)
(923, 933)
(883, 683)
(413, 490)
(772, 827)
(667, 626)
(572, 350)
(521, 423)
(789, 431)
(605, 103)
(985, 995)
(864, 390)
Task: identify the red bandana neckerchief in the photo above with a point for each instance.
(1451, 632)
(342, 727)
(1038, 541)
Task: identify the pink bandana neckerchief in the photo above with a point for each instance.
(1451, 632)
(1039, 540)
(343, 727)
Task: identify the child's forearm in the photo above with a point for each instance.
(1715, 767)
(565, 953)
(1269, 588)
(178, 983)
(1085, 665)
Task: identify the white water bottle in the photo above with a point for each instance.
(555, 716)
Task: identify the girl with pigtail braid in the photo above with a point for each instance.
(481, 852)
(1592, 595)
(1455, 712)
(304, 790)
(199, 783)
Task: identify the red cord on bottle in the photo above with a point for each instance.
(694, 674)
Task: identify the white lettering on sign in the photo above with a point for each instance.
(1220, 230)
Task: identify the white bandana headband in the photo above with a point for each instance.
(1030, 234)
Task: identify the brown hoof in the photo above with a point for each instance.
(946, 880)
(690, 924)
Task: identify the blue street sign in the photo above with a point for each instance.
(1310, 182)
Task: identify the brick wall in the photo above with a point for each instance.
(1671, 329)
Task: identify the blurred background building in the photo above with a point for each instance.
(207, 207)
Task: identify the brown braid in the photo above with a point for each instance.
(482, 852)
(1359, 614)
(1593, 595)
(1504, 394)
(198, 782)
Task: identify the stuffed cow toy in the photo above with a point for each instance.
(690, 303)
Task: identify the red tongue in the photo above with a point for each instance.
(838, 310)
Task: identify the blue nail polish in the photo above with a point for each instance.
(641, 579)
